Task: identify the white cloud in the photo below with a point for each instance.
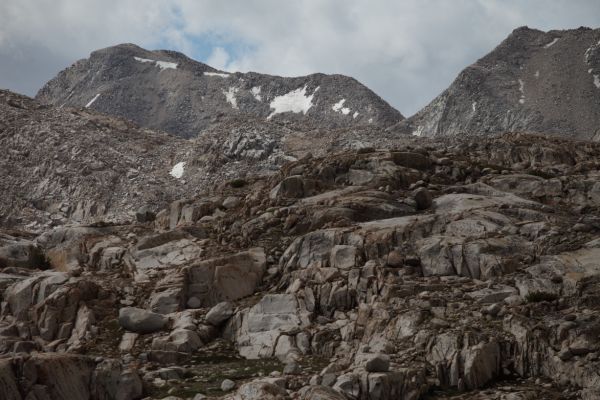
(219, 58)
(407, 51)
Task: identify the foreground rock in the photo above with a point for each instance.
(408, 273)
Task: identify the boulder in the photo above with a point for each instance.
(141, 321)
(422, 198)
(411, 160)
(231, 202)
(219, 313)
(227, 385)
(377, 363)
(145, 214)
(260, 390)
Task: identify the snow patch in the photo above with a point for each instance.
(590, 70)
(230, 96)
(355, 114)
(552, 43)
(92, 101)
(177, 170)
(537, 74)
(295, 101)
(161, 64)
(339, 107)
(589, 50)
(474, 106)
(417, 132)
(370, 120)
(522, 90)
(597, 81)
(256, 93)
(220, 74)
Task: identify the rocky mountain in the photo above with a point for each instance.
(533, 81)
(425, 270)
(166, 90)
(75, 165)
(305, 256)
(66, 165)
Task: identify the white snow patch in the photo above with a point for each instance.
(355, 114)
(338, 106)
(161, 64)
(177, 170)
(547, 46)
(522, 90)
(295, 101)
(537, 74)
(590, 70)
(474, 106)
(256, 93)
(418, 132)
(166, 65)
(230, 96)
(92, 100)
(597, 81)
(221, 74)
(370, 120)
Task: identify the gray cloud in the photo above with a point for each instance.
(407, 51)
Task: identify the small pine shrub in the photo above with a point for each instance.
(238, 183)
(536, 297)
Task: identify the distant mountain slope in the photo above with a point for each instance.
(64, 165)
(168, 91)
(67, 164)
(533, 81)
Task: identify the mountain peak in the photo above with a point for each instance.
(166, 90)
(547, 82)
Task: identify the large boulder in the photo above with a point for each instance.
(219, 313)
(141, 321)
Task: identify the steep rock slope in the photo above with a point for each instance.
(168, 91)
(536, 81)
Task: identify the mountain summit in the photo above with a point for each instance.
(535, 81)
(168, 91)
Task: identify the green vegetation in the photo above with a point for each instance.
(238, 183)
(536, 297)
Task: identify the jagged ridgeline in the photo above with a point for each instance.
(168, 91)
(545, 82)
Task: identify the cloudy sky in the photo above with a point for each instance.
(405, 50)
